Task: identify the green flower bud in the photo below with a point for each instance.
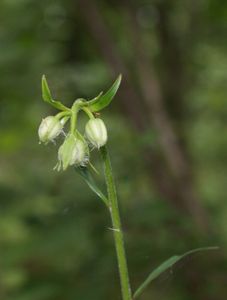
(49, 129)
(96, 132)
(72, 152)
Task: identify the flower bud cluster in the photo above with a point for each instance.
(75, 149)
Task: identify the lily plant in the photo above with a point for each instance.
(75, 152)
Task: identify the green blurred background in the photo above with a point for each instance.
(167, 138)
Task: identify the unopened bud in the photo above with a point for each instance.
(49, 129)
(79, 155)
(72, 152)
(96, 132)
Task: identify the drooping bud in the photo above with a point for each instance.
(79, 155)
(72, 152)
(96, 132)
(49, 129)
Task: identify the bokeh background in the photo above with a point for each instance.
(167, 138)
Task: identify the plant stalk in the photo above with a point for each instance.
(117, 230)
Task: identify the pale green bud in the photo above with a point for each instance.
(79, 156)
(72, 152)
(49, 129)
(96, 132)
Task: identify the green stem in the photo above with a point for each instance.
(88, 112)
(116, 222)
(63, 114)
(74, 110)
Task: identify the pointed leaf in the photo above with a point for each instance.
(165, 266)
(94, 100)
(101, 101)
(48, 98)
(45, 90)
(84, 172)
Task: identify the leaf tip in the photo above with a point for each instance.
(44, 81)
(119, 78)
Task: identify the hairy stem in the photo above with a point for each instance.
(116, 222)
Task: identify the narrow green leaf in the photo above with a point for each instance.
(165, 266)
(45, 90)
(84, 172)
(94, 100)
(48, 98)
(101, 101)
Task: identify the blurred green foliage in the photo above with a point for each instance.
(55, 242)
